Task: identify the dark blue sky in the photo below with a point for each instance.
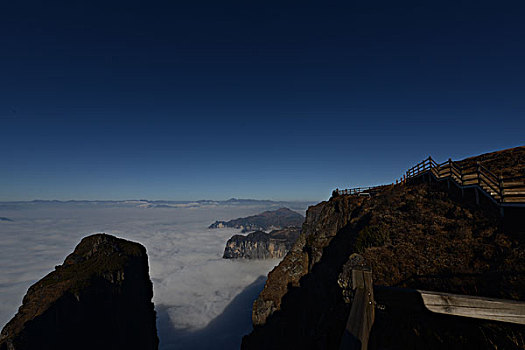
(279, 100)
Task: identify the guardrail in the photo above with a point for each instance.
(362, 190)
(367, 297)
(501, 190)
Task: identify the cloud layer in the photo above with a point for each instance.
(193, 285)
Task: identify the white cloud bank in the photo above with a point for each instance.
(201, 299)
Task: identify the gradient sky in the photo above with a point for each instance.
(275, 100)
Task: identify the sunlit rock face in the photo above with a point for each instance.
(99, 298)
(261, 245)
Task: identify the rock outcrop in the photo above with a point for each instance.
(417, 237)
(261, 245)
(99, 298)
(268, 220)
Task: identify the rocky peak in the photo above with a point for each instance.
(99, 298)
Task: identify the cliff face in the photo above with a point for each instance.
(268, 220)
(261, 245)
(412, 237)
(99, 298)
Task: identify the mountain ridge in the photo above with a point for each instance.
(267, 220)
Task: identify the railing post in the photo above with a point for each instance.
(362, 313)
(500, 181)
(478, 174)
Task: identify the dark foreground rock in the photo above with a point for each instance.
(100, 298)
(419, 237)
(268, 220)
(261, 245)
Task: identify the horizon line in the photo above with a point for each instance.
(158, 200)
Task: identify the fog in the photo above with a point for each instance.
(200, 298)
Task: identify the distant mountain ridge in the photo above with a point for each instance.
(268, 220)
(144, 203)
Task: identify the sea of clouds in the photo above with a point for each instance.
(202, 300)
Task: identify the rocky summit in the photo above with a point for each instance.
(418, 236)
(99, 298)
(268, 220)
(261, 245)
